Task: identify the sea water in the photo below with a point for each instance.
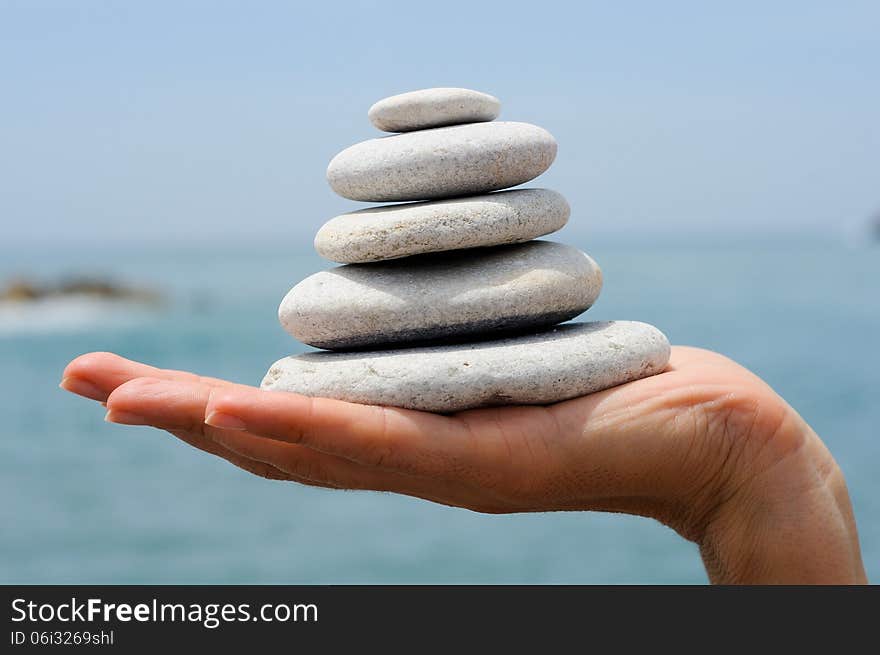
(84, 501)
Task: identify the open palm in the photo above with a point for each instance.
(705, 447)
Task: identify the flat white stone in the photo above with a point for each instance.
(417, 110)
(442, 162)
(441, 295)
(570, 360)
(393, 231)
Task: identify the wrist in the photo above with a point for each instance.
(786, 516)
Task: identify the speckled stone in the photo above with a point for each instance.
(393, 231)
(441, 295)
(442, 162)
(418, 110)
(564, 362)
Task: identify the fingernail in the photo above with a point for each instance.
(125, 418)
(224, 421)
(82, 388)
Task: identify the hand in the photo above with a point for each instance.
(705, 447)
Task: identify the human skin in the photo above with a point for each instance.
(706, 447)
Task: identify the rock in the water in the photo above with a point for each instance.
(441, 295)
(393, 231)
(442, 162)
(564, 362)
(418, 110)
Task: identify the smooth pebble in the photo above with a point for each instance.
(417, 110)
(442, 162)
(570, 360)
(393, 231)
(441, 295)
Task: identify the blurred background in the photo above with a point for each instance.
(162, 168)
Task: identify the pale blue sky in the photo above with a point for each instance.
(214, 121)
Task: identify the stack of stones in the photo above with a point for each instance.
(449, 304)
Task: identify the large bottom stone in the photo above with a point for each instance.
(564, 362)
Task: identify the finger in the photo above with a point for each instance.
(403, 440)
(257, 467)
(320, 468)
(179, 407)
(133, 413)
(96, 375)
(261, 469)
(340, 473)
